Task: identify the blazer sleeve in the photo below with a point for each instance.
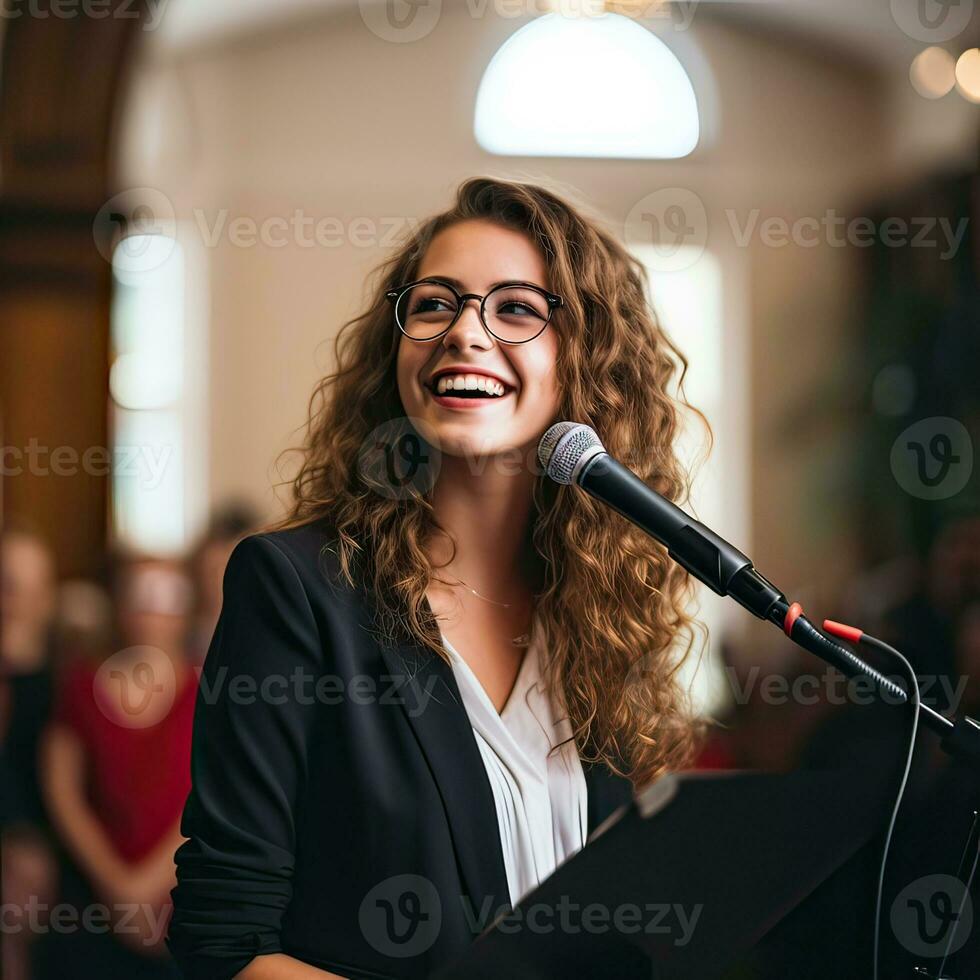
(249, 761)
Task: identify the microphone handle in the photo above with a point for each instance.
(708, 557)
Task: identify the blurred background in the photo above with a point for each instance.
(191, 198)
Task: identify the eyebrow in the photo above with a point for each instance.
(493, 285)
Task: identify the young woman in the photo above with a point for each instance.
(457, 668)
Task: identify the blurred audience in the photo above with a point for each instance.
(207, 566)
(27, 602)
(97, 692)
(83, 619)
(924, 627)
(27, 593)
(116, 772)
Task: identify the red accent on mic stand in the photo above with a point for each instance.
(842, 631)
(792, 615)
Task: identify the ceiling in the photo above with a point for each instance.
(862, 28)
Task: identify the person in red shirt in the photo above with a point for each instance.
(117, 768)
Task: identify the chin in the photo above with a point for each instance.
(471, 440)
(473, 443)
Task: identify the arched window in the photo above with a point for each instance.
(590, 86)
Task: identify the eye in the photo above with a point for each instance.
(517, 308)
(518, 303)
(433, 304)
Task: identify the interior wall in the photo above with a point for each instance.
(328, 119)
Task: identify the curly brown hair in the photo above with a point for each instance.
(613, 609)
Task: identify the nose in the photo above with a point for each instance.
(468, 330)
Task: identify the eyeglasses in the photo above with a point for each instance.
(513, 313)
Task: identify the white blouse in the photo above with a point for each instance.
(541, 799)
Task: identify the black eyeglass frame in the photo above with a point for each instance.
(394, 296)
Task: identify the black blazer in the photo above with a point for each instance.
(340, 809)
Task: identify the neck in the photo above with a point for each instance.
(485, 510)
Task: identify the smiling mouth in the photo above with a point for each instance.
(448, 389)
(473, 398)
(473, 394)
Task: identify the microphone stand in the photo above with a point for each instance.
(574, 454)
(959, 738)
(728, 572)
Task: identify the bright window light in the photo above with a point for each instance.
(600, 86)
(689, 304)
(146, 381)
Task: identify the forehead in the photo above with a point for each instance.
(479, 253)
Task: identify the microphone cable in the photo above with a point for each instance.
(856, 636)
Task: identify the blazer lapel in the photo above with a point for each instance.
(430, 698)
(607, 792)
(432, 703)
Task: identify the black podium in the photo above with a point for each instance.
(689, 878)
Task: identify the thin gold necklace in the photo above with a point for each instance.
(506, 605)
(521, 640)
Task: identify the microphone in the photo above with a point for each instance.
(572, 453)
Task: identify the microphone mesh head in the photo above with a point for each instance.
(561, 448)
(550, 439)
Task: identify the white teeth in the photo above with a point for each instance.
(471, 382)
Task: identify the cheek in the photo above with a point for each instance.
(541, 374)
(407, 367)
